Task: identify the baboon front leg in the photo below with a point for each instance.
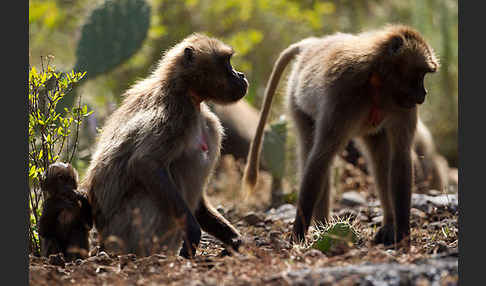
(328, 139)
(322, 207)
(215, 224)
(378, 154)
(399, 184)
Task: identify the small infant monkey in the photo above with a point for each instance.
(66, 216)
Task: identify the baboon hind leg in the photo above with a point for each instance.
(304, 126)
(329, 137)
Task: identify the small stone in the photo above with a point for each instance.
(103, 254)
(159, 256)
(426, 203)
(285, 212)
(348, 214)
(352, 199)
(252, 218)
(314, 253)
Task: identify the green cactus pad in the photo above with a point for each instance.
(274, 148)
(336, 235)
(113, 32)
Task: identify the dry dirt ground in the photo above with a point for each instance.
(268, 259)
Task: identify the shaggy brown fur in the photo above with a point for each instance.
(347, 86)
(156, 152)
(66, 216)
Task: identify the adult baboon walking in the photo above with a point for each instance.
(345, 86)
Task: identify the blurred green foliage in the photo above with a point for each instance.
(258, 30)
(51, 136)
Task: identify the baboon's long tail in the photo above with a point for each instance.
(253, 161)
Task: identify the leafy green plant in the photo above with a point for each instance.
(50, 132)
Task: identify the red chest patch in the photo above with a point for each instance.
(204, 147)
(201, 140)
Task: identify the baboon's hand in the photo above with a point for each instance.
(386, 235)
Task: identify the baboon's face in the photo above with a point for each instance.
(408, 61)
(234, 82)
(212, 76)
(410, 89)
(406, 82)
(61, 176)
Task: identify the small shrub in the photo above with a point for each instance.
(50, 132)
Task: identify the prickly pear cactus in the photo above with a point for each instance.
(338, 236)
(274, 148)
(112, 33)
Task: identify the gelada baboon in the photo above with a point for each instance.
(347, 86)
(66, 217)
(155, 154)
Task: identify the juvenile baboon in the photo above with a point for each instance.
(345, 86)
(66, 216)
(146, 181)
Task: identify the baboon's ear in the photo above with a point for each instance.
(189, 54)
(395, 44)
